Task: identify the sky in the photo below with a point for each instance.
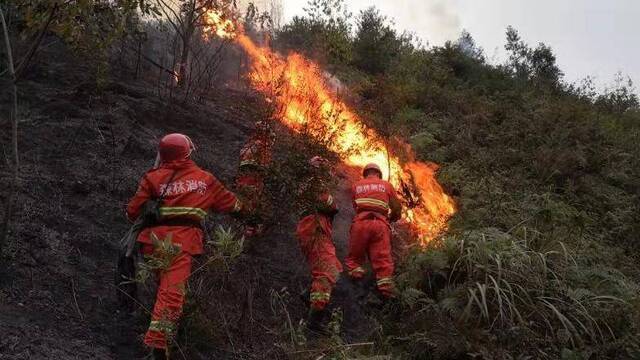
(596, 38)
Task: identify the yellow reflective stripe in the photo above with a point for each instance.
(385, 281)
(162, 326)
(374, 202)
(248, 162)
(356, 270)
(183, 211)
(318, 296)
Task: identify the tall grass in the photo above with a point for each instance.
(501, 284)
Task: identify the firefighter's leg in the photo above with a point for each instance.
(169, 301)
(325, 270)
(358, 239)
(381, 258)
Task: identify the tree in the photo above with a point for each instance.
(325, 31)
(518, 54)
(544, 67)
(538, 65)
(185, 16)
(620, 98)
(376, 43)
(468, 46)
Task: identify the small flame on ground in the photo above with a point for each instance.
(307, 104)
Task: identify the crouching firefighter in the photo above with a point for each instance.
(376, 205)
(184, 194)
(314, 232)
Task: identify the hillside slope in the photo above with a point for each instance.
(82, 154)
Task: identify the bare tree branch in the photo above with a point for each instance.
(152, 62)
(14, 135)
(164, 6)
(36, 43)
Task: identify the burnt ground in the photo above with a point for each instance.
(82, 153)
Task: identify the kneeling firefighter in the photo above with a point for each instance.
(314, 232)
(182, 194)
(376, 205)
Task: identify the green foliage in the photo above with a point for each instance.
(226, 243)
(620, 98)
(538, 64)
(163, 255)
(534, 296)
(324, 33)
(226, 247)
(89, 27)
(375, 43)
(539, 259)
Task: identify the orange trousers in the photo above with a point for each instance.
(371, 236)
(314, 236)
(169, 302)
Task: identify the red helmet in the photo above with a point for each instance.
(175, 147)
(371, 166)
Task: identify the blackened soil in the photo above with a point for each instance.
(82, 153)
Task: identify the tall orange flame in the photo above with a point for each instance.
(298, 86)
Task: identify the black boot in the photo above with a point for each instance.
(315, 322)
(160, 354)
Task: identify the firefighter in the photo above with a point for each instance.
(255, 157)
(376, 205)
(314, 232)
(186, 193)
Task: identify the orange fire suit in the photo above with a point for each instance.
(314, 233)
(188, 193)
(255, 156)
(376, 203)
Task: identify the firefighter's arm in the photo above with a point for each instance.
(394, 205)
(221, 200)
(136, 204)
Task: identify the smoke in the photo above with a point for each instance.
(275, 8)
(435, 21)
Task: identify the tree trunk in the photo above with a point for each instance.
(182, 64)
(138, 59)
(187, 34)
(14, 137)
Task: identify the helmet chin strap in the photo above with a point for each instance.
(156, 163)
(192, 146)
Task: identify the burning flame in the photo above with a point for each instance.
(216, 24)
(298, 86)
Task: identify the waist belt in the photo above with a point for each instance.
(180, 222)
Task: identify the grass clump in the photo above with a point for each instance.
(508, 294)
